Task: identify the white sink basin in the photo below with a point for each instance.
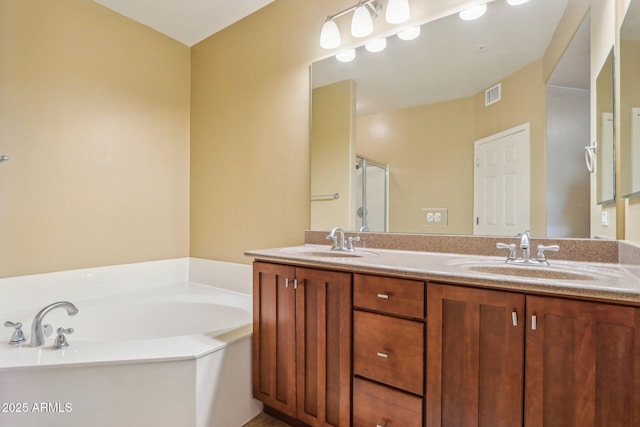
(557, 271)
(327, 253)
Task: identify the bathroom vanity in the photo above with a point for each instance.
(407, 338)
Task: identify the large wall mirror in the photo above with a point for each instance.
(630, 102)
(417, 107)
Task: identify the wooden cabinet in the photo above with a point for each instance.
(486, 358)
(389, 348)
(582, 364)
(302, 342)
(474, 357)
(566, 363)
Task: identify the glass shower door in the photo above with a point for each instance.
(371, 195)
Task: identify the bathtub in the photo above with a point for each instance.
(174, 353)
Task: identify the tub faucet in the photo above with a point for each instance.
(37, 333)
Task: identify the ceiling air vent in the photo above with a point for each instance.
(492, 95)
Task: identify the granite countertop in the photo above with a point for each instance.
(591, 280)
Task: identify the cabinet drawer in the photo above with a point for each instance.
(377, 405)
(389, 350)
(395, 296)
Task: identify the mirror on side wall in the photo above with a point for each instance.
(605, 113)
(630, 102)
(418, 106)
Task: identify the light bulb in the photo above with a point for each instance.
(397, 11)
(330, 35)
(516, 2)
(376, 45)
(346, 55)
(361, 24)
(409, 33)
(473, 12)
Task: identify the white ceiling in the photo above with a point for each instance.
(188, 21)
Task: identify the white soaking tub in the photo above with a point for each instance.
(171, 355)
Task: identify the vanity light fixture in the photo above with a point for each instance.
(362, 21)
(516, 2)
(473, 12)
(377, 45)
(346, 55)
(397, 11)
(409, 33)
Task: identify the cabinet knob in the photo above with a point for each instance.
(384, 355)
(383, 296)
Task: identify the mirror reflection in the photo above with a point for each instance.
(606, 132)
(630, 101)
(418, 107)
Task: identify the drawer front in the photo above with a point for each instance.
(395, 296)
(377, 405)
(389, 350)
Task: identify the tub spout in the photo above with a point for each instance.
(37, 333)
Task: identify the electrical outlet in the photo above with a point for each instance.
(605, 219)
(435, 216)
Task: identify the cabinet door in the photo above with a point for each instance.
(582, 364)
(323, 311)
(474, 357)
(274, 322)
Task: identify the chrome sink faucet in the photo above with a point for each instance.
(525, 251)
(37, 332)
(337, 236)
(525, 245)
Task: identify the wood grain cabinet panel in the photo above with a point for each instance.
(475, 357)
(377, 405)
(389, 350)
(400, 297)
(302, 342)
(582, 364)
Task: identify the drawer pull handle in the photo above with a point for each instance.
(514, 318)
(534, 322)
(383, 355)
(383, 296)
(381, 425)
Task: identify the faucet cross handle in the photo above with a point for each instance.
(541, 250)
(512, 250)
(18, 336)
(61, 340)
(350, 243)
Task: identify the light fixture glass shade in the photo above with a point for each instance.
(409, 33)
(330, 35)
(397, 11)
(517, 2)
(473, 12)
(346, 55)
(377, 45)
(362, 23)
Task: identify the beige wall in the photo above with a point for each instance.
(94, 115)
(333, 155)
(429, 150)
(250, 164)
(523, 100)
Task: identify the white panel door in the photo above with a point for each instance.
(502, 194)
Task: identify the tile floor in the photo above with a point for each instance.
(264, 420)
